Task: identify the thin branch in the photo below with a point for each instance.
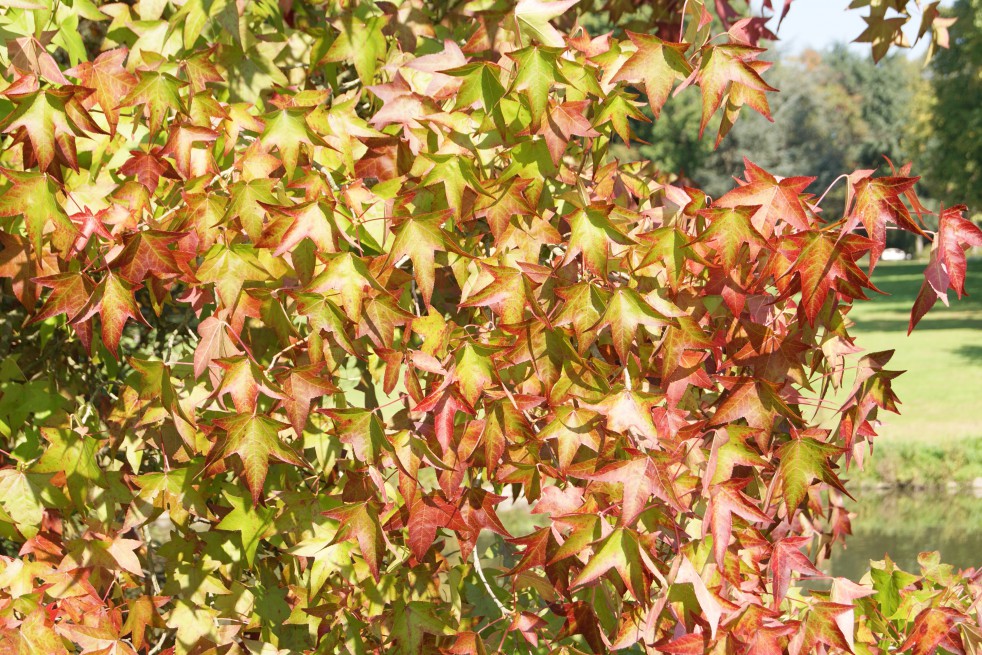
(293, 345)
(159, 646)
(480, 573)
(843, 176)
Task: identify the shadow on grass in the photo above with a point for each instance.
(900, 324)
(970, 352)
(902, 281)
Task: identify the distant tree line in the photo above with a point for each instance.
(839, 110)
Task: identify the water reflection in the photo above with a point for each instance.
(905, 523)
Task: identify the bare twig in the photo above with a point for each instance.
(293, 345)
(480, 573)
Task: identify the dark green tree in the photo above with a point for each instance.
(954, 146)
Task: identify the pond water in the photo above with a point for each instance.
(905, 523)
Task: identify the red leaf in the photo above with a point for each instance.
(109, 80)
(725, 500)
(825, 264)
(657, 64)
(935, 627)
(640, 478)
(777, 199)
(255, 440)
(426, 515)
(947, 266)
(113, 299)
(300, 387)
(877, 202)
(359, 522)
(786, 557)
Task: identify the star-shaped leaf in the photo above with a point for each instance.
(592, 233)
(622, 552)
(159, 94)
(113, 300)
(625, 312)
(725, 500)
(301, 385)
(533, 16)
(786, 557)
(109, 80)
(878, 201)
(255, 440)
(657, 64)
(419, 238)
(779, 200)
(229, 267)
(729, 230)
(253, 523)
(359, 522)
(34, 196)
(803, 461)
(722, 68)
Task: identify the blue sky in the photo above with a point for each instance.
(820, 23)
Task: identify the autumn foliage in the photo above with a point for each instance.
(314, 298)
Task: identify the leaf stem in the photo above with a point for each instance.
(830, 188)
(685, 5)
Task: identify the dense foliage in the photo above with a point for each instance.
(308, 294)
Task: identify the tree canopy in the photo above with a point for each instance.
(338, 327)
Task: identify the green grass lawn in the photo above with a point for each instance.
(938, 435)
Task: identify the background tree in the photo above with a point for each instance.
(953, 156)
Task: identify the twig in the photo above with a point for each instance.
(830, 188)
(148, 541)
(480, 573)
(293, 345)
(159, 646)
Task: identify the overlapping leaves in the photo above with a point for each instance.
(359, 283)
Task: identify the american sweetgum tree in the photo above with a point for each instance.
(308, 291)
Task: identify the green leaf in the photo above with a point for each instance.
(348, 276)
(255, 439)
(229, 267)
(360, 40)
(536, 72)
(803, 461)
(34, 196)
(420, 238)
(253, 523)
(359, 522)
(891, 584)
(158, 93)
(73, 454)
(656, 63)
(592, 233)
(287, 130)
(625, 312)
(42, 117)
(729, 230)
(533, 18)
(619, 551)
(20, 497)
